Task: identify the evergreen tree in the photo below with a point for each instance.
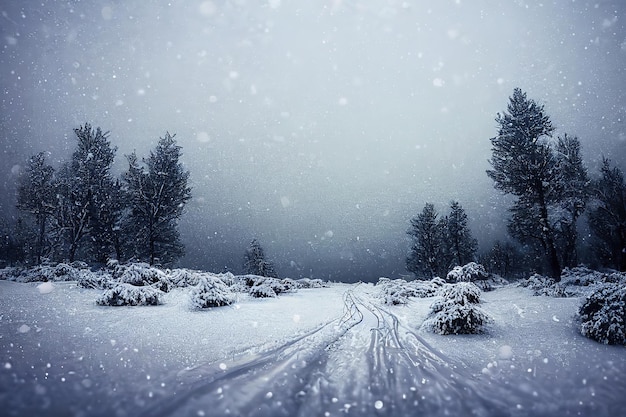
(524, 166)
(157, 192)
(607, 217)
(460, 245)
(255, 262)
(35, 196)
(573, 193)
(85, 192)
(14, 242)
(503, 259)
(426, 256)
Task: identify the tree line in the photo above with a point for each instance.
(552, 191)
(80, 211)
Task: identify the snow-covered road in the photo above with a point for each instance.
(361, 364)
(322, 352)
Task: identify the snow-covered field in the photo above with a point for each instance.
(315, 352)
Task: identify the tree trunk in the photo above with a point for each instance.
(40, 240)
(553, 258)
(72, 252)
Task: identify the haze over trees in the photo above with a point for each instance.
(255, 262)
(81, 212)
(157, 191)
(439, 243)
(548, 180)
(607, 217)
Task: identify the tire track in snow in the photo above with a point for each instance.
(248, 386)
(360, 364)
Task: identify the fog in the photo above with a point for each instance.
(318, 127)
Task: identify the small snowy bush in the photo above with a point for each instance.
(262, 290)
(311, 283)
(124, 294)
(289, 284)
(470, 272)
(393, 292)
(457, 311)
(398, 291)
(97, 280)
(603, 315)
(476, 273)
(542, 286)
(259, 285)
(10, 273)
(210, 292)
(142, 274)
(425, 289)
(183, 277)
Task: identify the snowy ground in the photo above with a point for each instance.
(316, 352)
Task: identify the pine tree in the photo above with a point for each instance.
(461, 246)
(426, 256)
(85, 192)
(157, 192)
(255, 262)
(35, 196)
(607, 217)
(524, 166)
(573, 193)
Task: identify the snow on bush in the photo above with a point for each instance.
(575, 282)
(398, 291)
(210, 292)
(124, 294)
(393, 292)
(183, 277)
(96, 280)
(603, 315)
(311, 283)
(43, 273)
(142, 274)
(476, 273)
(457, 311)
(262, 290)
(258, 286)
(425, 289)
(289, 284)
(470, 272)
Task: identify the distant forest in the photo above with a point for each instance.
(80, 212)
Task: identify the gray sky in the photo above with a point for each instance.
(319, 127)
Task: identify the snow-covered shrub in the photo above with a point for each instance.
(615, 277)
(262, 290)
(124, 294)
(575, 282)
(258, 281)
(183, 277)
(142, 274)
(10, 273)
(603, 315)
(580, 276)
(311, 283)
(425, 289)
(476, 273)
(289, 284)
(457, 311)
(536, 282)
(96, 280)
(227, 278)
(210, 292)
(393, 292)
(398, 291)
(470, 272)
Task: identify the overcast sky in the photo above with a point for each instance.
(318, 127)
